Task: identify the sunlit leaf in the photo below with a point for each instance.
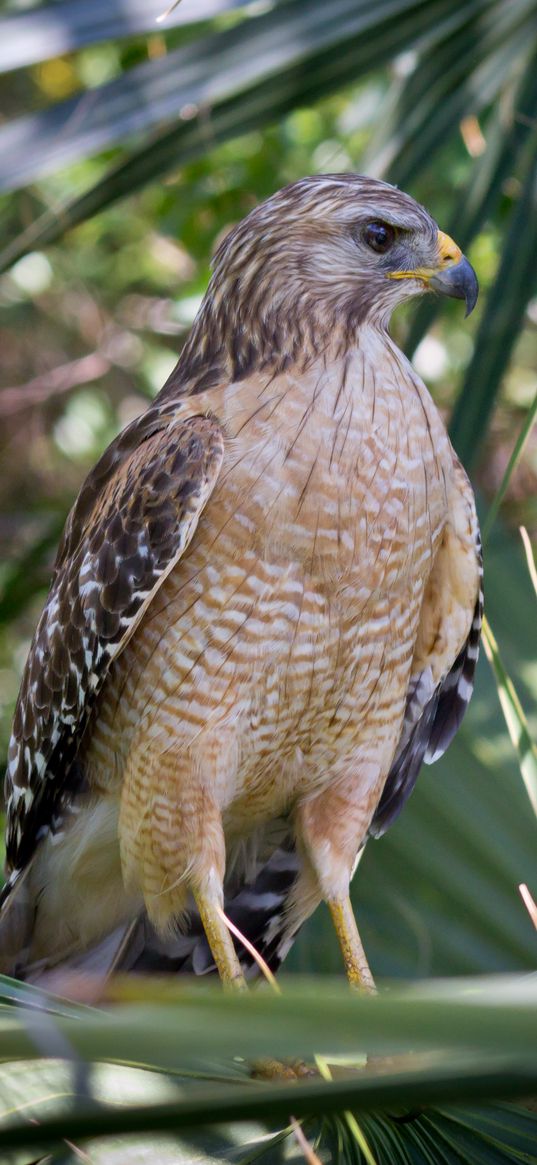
(48, 30)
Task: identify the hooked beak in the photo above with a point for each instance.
(453, 276)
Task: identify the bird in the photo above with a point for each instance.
(264, 615)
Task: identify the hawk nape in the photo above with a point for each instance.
(264, 613)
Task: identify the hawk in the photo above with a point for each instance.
(264, 613)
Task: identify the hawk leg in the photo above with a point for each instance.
(177, 847)
(330, 829)
(220, 941)
(354, 957)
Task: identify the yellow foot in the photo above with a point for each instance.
(268, 1069)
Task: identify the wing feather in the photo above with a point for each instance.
(134, 518)
(446, 656)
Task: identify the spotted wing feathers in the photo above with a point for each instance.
(455, 693)
(133, 520)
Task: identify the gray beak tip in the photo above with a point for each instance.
(459, 282)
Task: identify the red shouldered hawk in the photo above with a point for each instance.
(264, 614)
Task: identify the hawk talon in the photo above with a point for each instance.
(269, 1069)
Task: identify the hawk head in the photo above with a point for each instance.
(320, 258)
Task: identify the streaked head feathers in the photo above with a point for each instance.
(299, 272)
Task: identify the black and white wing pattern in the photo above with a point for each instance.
(133, 519)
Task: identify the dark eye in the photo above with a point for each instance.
(379, 236)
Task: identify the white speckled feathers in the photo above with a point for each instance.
(133, 519)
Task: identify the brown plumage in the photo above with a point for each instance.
(264, 614)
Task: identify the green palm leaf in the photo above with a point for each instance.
(508, 298)
(506, 140)
(48, 30)
(201, 76)
(460, 72)
(480, 1039)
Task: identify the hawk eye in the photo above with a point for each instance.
(379, 236)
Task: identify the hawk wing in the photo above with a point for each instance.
(133, 519)
(445, 659)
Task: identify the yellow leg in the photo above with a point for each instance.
(229, 969)
(220, 942)
(356, 965)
